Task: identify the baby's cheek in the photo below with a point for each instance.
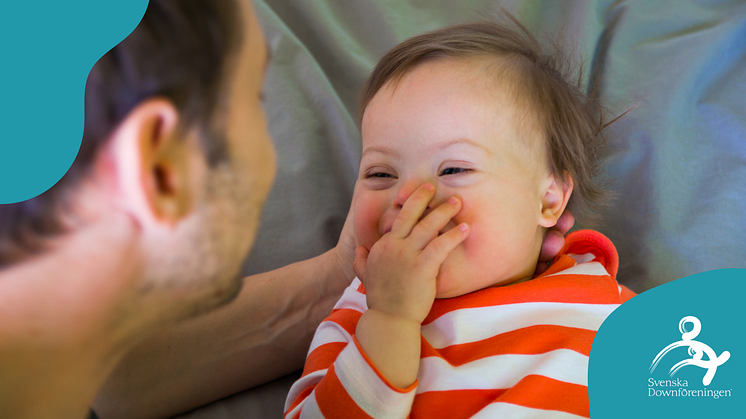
(367, 217)
(489, 242)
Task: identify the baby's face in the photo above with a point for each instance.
(446, 123)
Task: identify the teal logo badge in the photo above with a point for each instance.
(643, 366)
(696, 351)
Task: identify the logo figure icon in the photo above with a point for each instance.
(696, 350)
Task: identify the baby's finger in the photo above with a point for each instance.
(541, 267)
(412, 210)
(438, 249)
(427, 229)
(553, 243)
(565, 222)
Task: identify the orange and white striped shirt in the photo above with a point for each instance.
(514, 351)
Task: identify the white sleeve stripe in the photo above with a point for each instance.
(590, 268)
(311, 409)
(303, 383)
(353, 299)
(514, 411)
(475, 324)
(329, 332)
(291, 414)
(436, 374)
(367, 389)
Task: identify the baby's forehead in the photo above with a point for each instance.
(443, 85)
(503, 78)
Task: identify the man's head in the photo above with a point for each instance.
(175, 137)
(478, 111)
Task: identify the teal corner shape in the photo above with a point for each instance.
(48, 48)
(619, 371)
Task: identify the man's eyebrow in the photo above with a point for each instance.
(445, 145)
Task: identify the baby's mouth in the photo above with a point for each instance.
(445, 229)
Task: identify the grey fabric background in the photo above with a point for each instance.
(678, 160)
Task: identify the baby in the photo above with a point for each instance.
(473, 146)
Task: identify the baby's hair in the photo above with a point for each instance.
(570, 121)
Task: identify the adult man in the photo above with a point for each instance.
(151, 223)
(149, 228)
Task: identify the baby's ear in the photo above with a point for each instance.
(555, 196)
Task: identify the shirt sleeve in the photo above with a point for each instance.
(338, 380)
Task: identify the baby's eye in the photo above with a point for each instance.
(378, 175)
(453, 171)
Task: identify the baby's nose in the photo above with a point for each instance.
(405, 192)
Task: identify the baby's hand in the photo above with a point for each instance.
(554, 240)
(400, 269)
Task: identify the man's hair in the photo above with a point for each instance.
(570, 121)
(182, 50)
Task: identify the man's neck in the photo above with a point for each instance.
(62, 328)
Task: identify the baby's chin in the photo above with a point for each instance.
(453, 281)
(448, 285)
(453, 292)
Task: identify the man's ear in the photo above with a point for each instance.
(151, 164)
(556, 195)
